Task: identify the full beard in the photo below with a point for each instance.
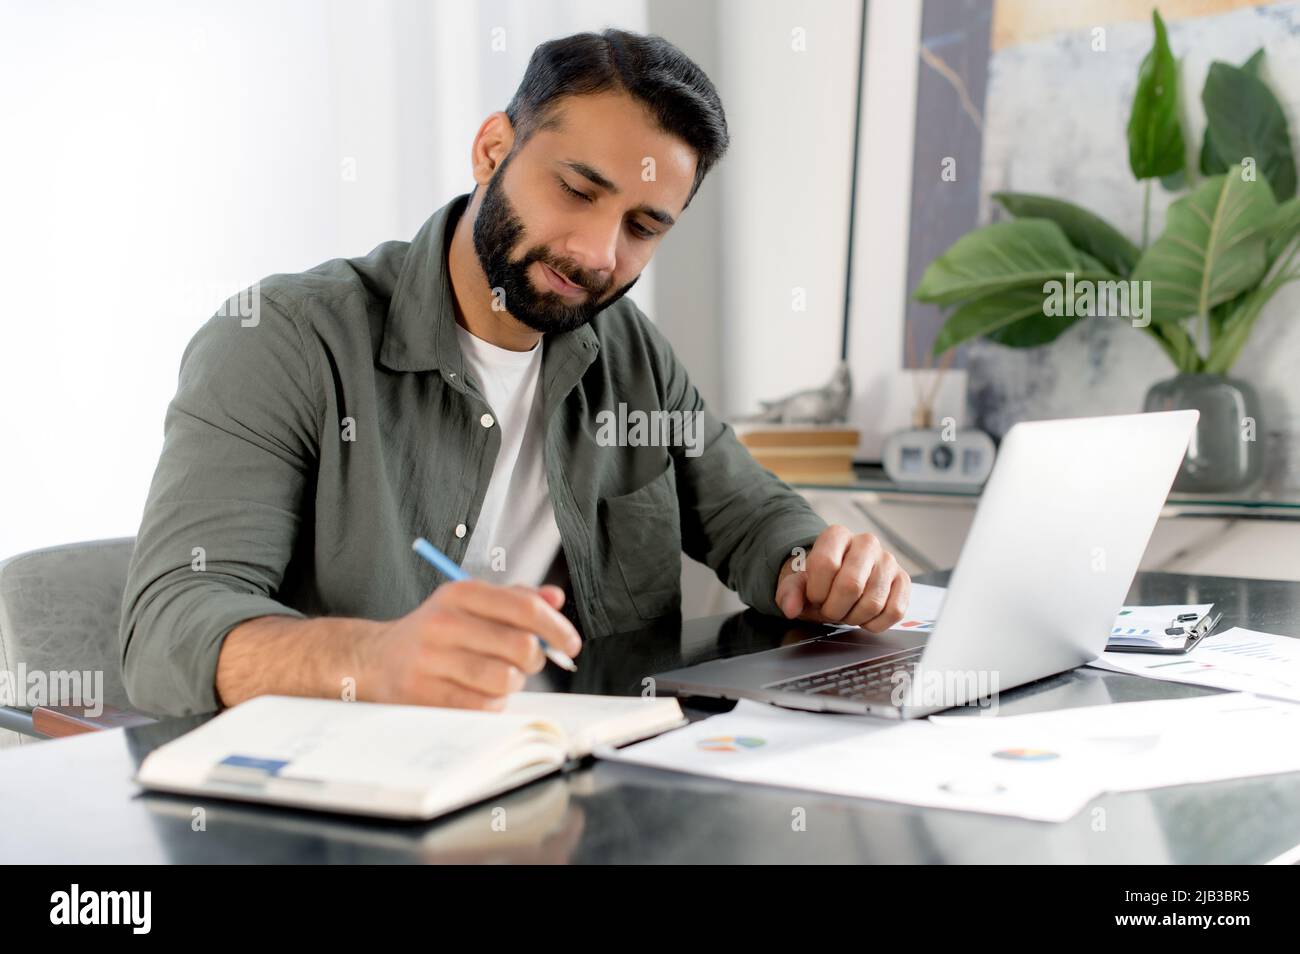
(497, 230)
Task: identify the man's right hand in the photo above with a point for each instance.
(469, 645)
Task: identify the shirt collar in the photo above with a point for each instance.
(420, 331)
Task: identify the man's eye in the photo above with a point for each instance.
(572, 191)
(641, 232)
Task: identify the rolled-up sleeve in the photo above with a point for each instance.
(736, 517)
(224, 509)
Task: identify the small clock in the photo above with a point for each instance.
(923, 456)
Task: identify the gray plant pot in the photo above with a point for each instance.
(1225, 453)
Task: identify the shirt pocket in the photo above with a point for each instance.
(644, 533)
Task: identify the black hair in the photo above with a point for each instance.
(657, 74)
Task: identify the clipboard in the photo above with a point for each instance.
(1193, 635)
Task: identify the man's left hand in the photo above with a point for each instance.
(846, 578)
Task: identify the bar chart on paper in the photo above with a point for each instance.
(1237, 659)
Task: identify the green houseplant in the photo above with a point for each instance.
(1228, 245)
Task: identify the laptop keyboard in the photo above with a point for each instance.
(870, 678)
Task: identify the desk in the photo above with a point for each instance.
(72, 801)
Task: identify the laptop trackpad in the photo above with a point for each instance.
(828, 652)
(890, 641)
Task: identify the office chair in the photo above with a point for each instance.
(59, 614)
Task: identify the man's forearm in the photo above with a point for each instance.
(286, 656)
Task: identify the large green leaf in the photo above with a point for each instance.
(1032, 332)
(1237, 328)
(1212, 163)
(1155, 136)
(984, 316)
(1180, 179)
(1284, 227)
(1245, 120)
(1003, 255)
(1253, 64)
(1085, 231)
(1220, 314)
(1213, 246)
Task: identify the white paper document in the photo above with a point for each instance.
(1163, 742)
(923, 608)
(1237, 659)
(1043, 766)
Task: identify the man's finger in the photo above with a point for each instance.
(486, 675)
(790, 597)
(875, 594)
(852, 578)
(824, 562)
(510, 644)
(552, 594)
(453, 695)
(515, 606)
(899, 594)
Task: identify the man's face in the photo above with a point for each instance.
(569, 220)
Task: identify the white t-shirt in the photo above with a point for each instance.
(516, 538)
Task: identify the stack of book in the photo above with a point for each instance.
(802, 453)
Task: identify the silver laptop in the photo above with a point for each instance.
(1060, 529)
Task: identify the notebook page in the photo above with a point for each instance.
(590, 720)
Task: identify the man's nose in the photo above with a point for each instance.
(594, 247)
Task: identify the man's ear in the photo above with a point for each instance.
(492, 143)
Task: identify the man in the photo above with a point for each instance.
(462, 387)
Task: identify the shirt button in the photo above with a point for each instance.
(461, 530)
(486, 420)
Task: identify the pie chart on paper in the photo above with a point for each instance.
(1026, 755)
(730, 743)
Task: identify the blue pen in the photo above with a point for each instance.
(448, 568)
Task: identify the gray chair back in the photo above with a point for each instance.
(59, 610)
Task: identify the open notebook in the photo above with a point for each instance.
(389, 760)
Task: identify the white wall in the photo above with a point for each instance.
(784, 192)
(159, 156)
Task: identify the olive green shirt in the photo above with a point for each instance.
(314, 436)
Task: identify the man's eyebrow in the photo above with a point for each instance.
(659, 215)
(597, 178)
(592, 175)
